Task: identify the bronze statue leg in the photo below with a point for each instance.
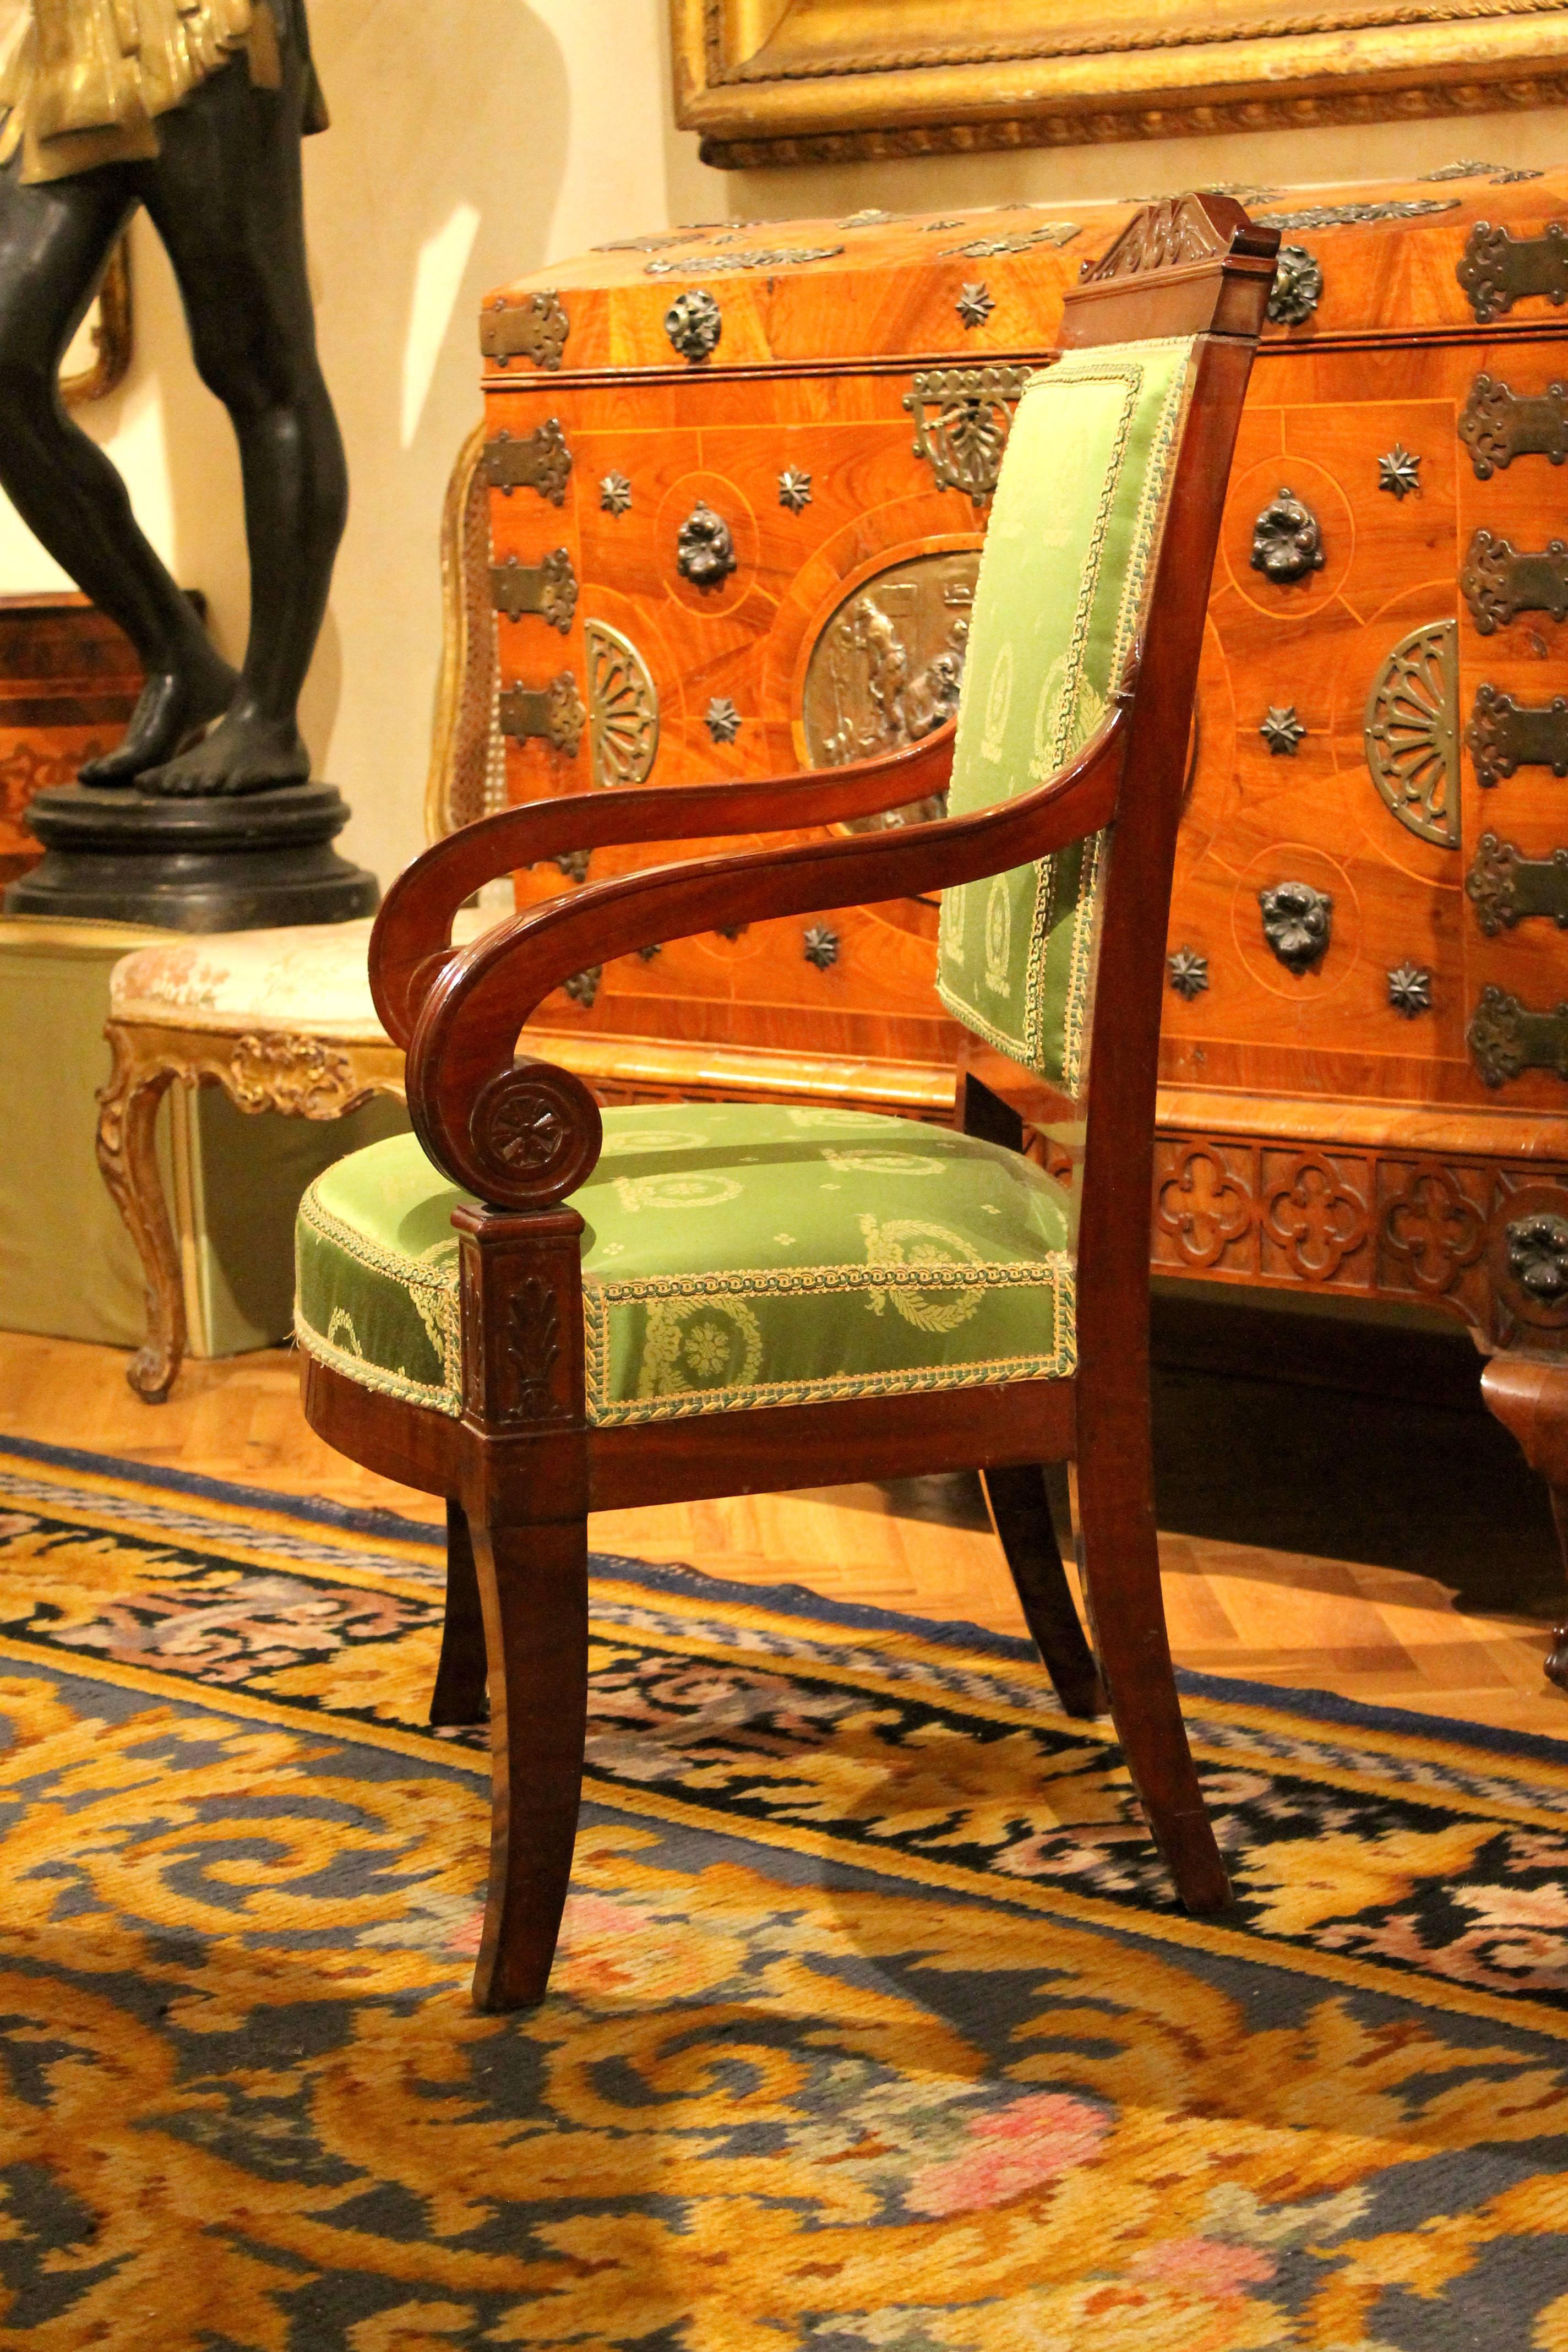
(54, 241)
(127, 1123)
(227, 199)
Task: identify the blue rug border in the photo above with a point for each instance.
(798, 1600)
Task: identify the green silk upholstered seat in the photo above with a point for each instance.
(746, 1255)
(841, 1255)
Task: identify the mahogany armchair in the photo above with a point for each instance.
(668, 1302)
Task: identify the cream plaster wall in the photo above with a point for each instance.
(474, 140)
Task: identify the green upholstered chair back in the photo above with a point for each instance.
(1068, 558)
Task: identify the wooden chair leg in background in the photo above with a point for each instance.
(1126, 1613)
(1021, 1515)
(459, 1695)
(533, 1584)
(1528, 1395)
(127, 1154)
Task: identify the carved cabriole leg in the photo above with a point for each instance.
(1528, 1395)
(526, 1500)
(127, 1154)
(460, 1693)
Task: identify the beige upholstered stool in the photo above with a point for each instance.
(282, 1020)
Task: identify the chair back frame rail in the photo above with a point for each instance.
(522, 1467)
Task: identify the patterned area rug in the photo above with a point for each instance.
(875, 2022)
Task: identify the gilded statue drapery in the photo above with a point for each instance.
(90, 78)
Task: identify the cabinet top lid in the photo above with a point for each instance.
(1457, 251)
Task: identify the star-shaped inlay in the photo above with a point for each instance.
(1281, 730)
(1410, 990)
(821, 946)
(795, 489)
(975, 305)
(722, 720)
(1189, 972)
(1399, 471)
(615, 494)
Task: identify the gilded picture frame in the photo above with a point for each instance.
(100, 354)
(826, 81)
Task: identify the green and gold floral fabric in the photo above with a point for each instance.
(735, 1254)
(1073, 530)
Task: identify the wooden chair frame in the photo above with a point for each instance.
(522, 1467)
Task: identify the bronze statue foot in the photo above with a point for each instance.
(174, 706)
(241, 755)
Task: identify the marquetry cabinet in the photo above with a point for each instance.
(68, 683)
(737, 478)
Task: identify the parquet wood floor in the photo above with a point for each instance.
(1261, 1610)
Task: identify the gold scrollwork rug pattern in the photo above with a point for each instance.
(875, 2024)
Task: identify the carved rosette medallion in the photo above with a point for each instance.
(963, 417)
(536, 1133)
(694, 324)
(1411, 733)
(623, 707)
(705, 549)
(1297, 286)
(1287, 539)
(1296, 923)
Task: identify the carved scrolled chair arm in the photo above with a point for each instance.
(412, 939)
(522, 1134)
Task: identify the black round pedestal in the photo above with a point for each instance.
(226, 864)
